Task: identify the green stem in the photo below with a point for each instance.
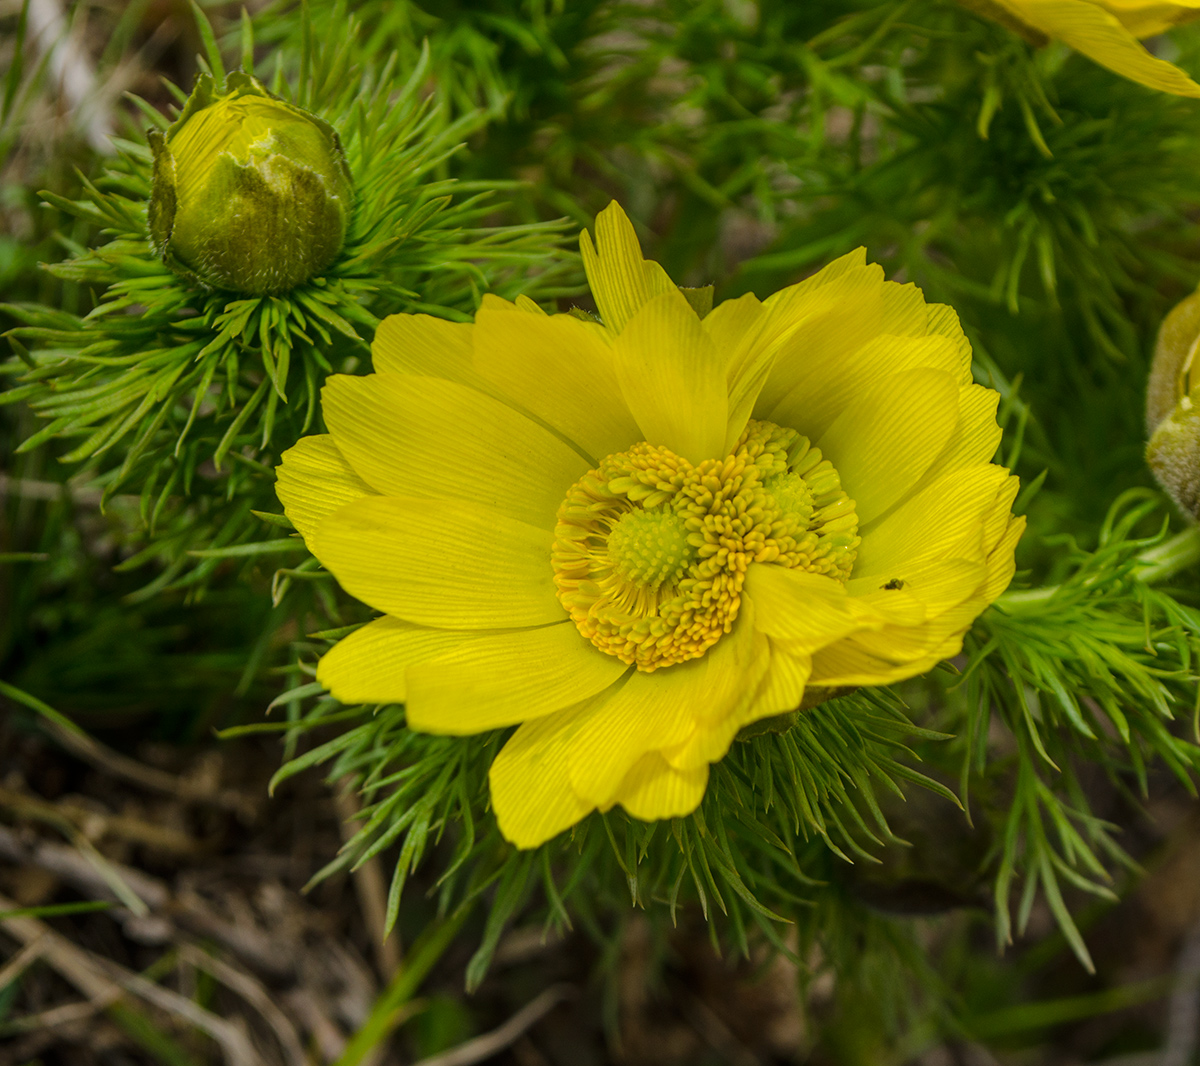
(1165, 560)
(387, 1012)
(1156, 564)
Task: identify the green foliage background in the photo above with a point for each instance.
(1053, 204)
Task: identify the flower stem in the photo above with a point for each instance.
(388, 1013)
(1165, 560)
(1156, 564)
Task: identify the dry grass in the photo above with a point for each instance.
(210, 953)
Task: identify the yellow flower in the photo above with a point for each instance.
(1107, 31)
(633, 539)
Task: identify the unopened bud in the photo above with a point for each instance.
(1173, 406)
(250, 193)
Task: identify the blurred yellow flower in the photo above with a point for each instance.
(633, 538)
(1107, 31)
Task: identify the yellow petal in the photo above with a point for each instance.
(847, 663)
(846, 329)
(560, 370)
(620, 279)
(905, 312)
(420, 436)
(491, 302)
(999, 515)
(943, 319)
(907, 644)
(825, 388)
(530, 787)
(852, 263)
(821, 319)
(1147, 18)
(738, 667)
(846, 313)
(896, 606)
(944, 520)
(885, 439)
(729, 323)
(313, 481)
(973, 442)
(649, 712)
(977, 436)
(818, 323)
(895, 653)
(843, 264)
(781, 690)
(1001, 563)
(936, 586)
(808, 610)
(736, 664)
(447, 564)
(957, 591)
(673, 379)
(735, 328)
(499, 679)
(1089, 29)
(783, 687)
(422, 344)
(654, 789)
(371, 664)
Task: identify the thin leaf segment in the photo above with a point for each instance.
(651, 553)
(658, 528)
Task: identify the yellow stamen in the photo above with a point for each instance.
(650, 552)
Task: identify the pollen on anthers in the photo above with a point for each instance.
(650, 552)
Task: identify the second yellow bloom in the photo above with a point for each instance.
(1107, 31)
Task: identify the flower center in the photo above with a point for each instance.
(650, 547)
(650, 552)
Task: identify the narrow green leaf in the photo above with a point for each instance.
(239, 551)
(212, 51)
(57, 910)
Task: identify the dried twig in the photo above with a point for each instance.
(103, 980)
(253, 993)
(71, 67)
(57, 1017)
(19, 963)
(234, 1042)
(28, 489)
(484, 1047)
(84, 746)
(1183, 1014)
(249, 943)
(310, 1008)
(186, 909)
(95, 824)
(717, 1035)
(87, 748)
(71, 962)
(68, 864)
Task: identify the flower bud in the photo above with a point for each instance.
(1173, 406)
(250, 193)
